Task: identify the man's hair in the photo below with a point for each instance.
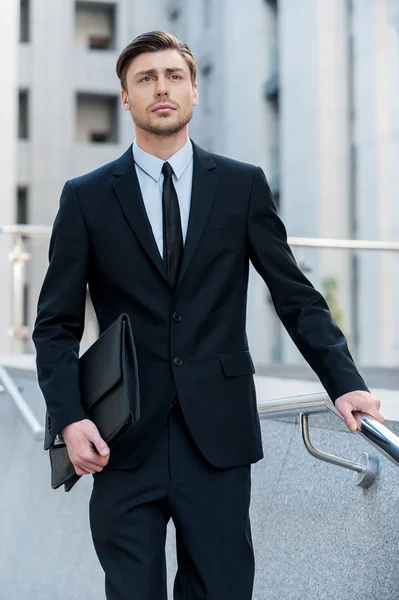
(153, 41)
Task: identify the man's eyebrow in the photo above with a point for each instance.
(174, 69)
(153, 71)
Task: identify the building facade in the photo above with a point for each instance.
(307, 89)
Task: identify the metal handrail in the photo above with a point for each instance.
(29, 230)
(343, 244)
(377, 434)
(9, 386)
(365, 468)
(45, 230)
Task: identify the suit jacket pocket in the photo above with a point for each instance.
(218, 224)
(237, 363)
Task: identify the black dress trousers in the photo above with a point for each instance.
(130, 509)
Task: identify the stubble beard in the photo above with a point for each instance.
(162, 129)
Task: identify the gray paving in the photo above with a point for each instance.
(315, 535)
(45, 544)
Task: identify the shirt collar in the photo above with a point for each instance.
(152, 165)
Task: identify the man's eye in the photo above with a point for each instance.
(177, 76)
(146, 79)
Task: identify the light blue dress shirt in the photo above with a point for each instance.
(149, 173)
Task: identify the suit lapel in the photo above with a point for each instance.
(128, 193)
(127, 190)
(202, 198)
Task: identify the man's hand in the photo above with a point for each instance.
(358, 401)
(87, 450)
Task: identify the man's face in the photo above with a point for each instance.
(160, 95)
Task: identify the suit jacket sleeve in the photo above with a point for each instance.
(60, 320)
(302, 309)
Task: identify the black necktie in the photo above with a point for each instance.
(172, 232)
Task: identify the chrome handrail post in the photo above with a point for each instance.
(18, 331)
(378, 435)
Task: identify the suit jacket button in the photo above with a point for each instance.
(178, 361)
(176, 317)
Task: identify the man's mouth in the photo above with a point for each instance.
(163, 108)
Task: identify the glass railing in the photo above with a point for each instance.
(358, 278)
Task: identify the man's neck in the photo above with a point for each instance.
(161, 146)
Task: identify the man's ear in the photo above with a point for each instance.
(196, 96)
(125, 100)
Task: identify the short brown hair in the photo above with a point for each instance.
(153, 41)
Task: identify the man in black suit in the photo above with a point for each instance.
(165, 233)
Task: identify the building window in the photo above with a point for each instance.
(100, 42)
(22, 206)
(173, 11)
(97, 118)
(24, 21)
(100, 138)
(23, 115)
(174, 15)
(95, 25)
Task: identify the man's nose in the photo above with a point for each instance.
(162, 88)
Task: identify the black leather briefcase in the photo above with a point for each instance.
(109, 384)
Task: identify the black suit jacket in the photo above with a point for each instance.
(192, 340)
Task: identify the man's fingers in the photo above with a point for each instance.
(346, 412)
(351, 423)
(374, 412)
(80, 471)
(88, 452)
(353, 405)
(88, 468)
(99, 444)
(372, 408)
(356, 417)
(90, 459)
(92, 466)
